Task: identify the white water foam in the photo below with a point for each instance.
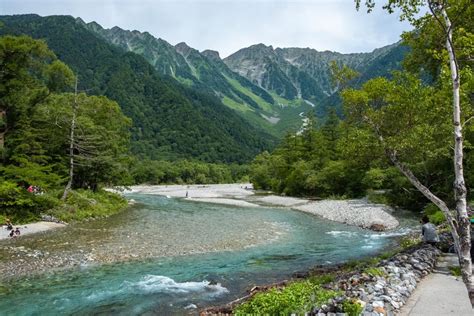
(341, 233)
(397, 233)
(153, 284)
(162, 284)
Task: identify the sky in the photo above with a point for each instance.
(229, 25)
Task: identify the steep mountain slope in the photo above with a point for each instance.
(305, 72)
(204, 71)
(169, 120)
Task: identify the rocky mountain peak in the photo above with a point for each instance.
(211, 54)
(183, 49)
(80, 21)
(261, 46)
(94, 26)
(117, 29)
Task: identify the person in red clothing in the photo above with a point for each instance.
(30, 189)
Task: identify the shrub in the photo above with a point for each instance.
(375, 197)
(374, 178)
(409, 241)
(22, 206)
(435, 215)
(321, 279)
(82, 204)
(374, 271)
(352, 307)
(455, 270)
(298, 297)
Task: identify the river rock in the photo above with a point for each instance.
(382, 295)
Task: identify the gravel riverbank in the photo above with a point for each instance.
(352, 212)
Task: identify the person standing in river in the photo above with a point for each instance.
(428, 231)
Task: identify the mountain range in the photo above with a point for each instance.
(186, 103)
(259, 82)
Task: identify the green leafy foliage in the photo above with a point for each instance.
(352, 307)
(374, 271)
(455, 271)
(102, 138)
(83, 204)
(298, 297)
(19, 205)
(434, 214)
(314, 162)
(409, 241)
(187, 172)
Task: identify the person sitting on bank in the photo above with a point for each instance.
(428, 231)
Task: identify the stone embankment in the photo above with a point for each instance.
(380, 290)
(386, 293)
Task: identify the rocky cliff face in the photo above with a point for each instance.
(304, 72)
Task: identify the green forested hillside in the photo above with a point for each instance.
(169, 120)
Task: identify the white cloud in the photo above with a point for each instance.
(228, 25)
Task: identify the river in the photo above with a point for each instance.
(171, 256)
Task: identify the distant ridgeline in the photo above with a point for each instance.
(265, 91)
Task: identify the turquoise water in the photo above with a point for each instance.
(169, 256)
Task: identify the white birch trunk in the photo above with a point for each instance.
(71, 146)
(464, 233)
(423, 189)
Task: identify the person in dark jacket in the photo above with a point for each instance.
(428, 231)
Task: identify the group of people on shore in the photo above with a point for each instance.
(13, 232)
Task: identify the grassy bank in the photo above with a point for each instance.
(21, 206)
(298, 297)
(84, 204)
